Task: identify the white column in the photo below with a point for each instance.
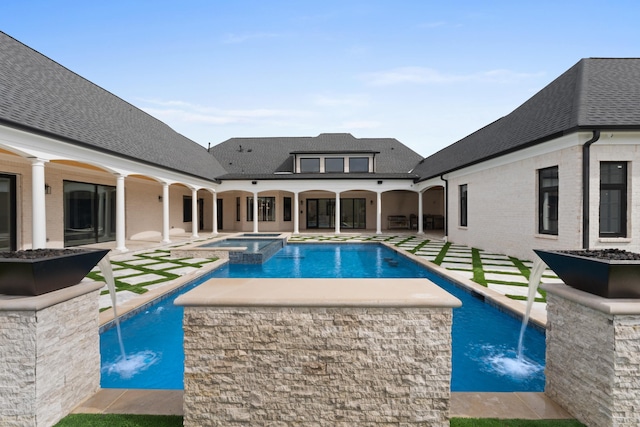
(120, 214)
(215, 213)
(378, 212)
(194, 213)
(296, 214)
(39, 213)
(165, 213)
(255, 212)
(420, 230)
(337, 220)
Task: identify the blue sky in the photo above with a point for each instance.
(425, 72)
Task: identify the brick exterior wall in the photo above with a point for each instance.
(49, 359)
(593, 363)
(340, 366)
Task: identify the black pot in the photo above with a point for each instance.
(602, 277)
(41, 275)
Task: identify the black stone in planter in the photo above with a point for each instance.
(608, 278)
(49, 272)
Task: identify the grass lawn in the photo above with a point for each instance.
(115, 420)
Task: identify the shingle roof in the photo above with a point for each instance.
(269, 158)
(596, 93)
(40, 95)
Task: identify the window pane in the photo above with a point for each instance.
(310, 165)
(548, 201)
(613, 199)
(358, 164)
(334, 164)
(287, 209)
(463, 205)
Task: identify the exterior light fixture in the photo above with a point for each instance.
(379, 182)
(47, 189)
(254, 182)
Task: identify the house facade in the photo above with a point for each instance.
(78, 165)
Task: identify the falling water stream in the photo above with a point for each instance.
(534, 281)
(125, 366)
(517, 365)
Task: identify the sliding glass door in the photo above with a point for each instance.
(321, 213)
(89, 213)
(7, 212)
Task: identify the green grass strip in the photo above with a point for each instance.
(492, 422)
(478, 271)
(442, 253)
(404, 241)
(118, 420)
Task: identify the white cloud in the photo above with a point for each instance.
(341, 101)
(184, 112)
(424, 75)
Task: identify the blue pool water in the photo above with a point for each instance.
(484, 339)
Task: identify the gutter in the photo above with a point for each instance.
(586, 157)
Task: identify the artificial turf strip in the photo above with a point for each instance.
(493, 422)
(117, 420)
(478, 271)
(443, 252)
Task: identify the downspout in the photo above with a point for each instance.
(446, 207)
(586, 157)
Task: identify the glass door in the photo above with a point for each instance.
(89, 213)
(7, 213)
(312, 213)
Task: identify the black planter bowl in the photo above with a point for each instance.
(608, 278)
(37, 276)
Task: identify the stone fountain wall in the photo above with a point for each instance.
(593, 356)
(359, 363)
(49, 355)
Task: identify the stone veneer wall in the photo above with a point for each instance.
(317, 366)
(593, 362)
(49, 360)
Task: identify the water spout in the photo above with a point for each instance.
(107, 273)
(534, 281)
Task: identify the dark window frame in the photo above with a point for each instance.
(548, 200)
(463, 199)
(266, 209)
(305, 164)
(354, 160)
(606, 189)
(287, 204)
(329, 169)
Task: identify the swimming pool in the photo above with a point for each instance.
(482, 335)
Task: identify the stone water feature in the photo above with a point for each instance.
(593, 342)
(319, 352)
(49, 341)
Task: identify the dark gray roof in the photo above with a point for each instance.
(40, 95)
(596, 93)
(268, 158)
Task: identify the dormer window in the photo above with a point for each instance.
(334, 164)
(358, 164)
(310, 165)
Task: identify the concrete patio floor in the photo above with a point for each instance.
(456, 262)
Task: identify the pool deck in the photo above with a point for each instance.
(530, 406)
(455, 262)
